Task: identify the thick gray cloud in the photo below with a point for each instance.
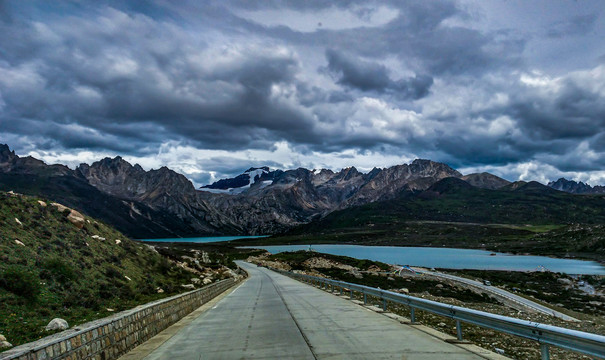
(368, 76)
(476, 84)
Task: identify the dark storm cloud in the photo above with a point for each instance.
(368, 76)
(575, 112)
(90, 79)
(132, 77)
(418, 39)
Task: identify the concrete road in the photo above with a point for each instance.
(271, 316)
(523, 302)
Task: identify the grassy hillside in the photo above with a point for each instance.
(449, 202)
(131, 218)
(452, 213)
(50, 268)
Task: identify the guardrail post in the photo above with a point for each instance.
(544, 352)
(365, 298)
(351, 294)
(384, 304)
(332, 289)
(458, 329)
(341, 289)
(412, 315)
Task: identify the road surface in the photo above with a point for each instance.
(271, 316)
(505, 294)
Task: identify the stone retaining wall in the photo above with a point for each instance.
(113, 336)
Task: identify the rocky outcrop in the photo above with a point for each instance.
(3, 343)
(57, 324)
(74, 217)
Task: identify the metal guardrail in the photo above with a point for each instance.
(546, 335)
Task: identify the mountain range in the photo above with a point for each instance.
(575, 187)
(163, 203)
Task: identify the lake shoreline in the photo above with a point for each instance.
(270, 241)
(259, 242)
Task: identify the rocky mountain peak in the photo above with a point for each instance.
(424, 168)
(346, 175)
(372, 174)
(575, 187)
(349, 173)
(10, 162)
(390, 182)
(6, 155)
(264, 168)
(485, 181)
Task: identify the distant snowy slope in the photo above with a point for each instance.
(240, 183)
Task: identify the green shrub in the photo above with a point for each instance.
(20, 282)
(163, 266)
(58, 270)
(112, 272)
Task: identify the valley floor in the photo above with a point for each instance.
(563, 241)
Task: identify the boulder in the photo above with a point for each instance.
(207, 281)
(564, 281)
(160, 290)
(76, 219)
(439, 286)
(98, 237)
(60, 207)
(42, 203)
(118, 242)
(18, 222)
(57, 324)
(404, 291)
(3, 343)
(19, 243)
(196, 280)
(189, 286)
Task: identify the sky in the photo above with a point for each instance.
(211, 88)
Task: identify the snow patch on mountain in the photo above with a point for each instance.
(240, 183)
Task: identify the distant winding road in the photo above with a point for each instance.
(502, 293)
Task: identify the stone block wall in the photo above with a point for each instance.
(113, 336)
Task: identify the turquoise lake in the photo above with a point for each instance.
(447, 258)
